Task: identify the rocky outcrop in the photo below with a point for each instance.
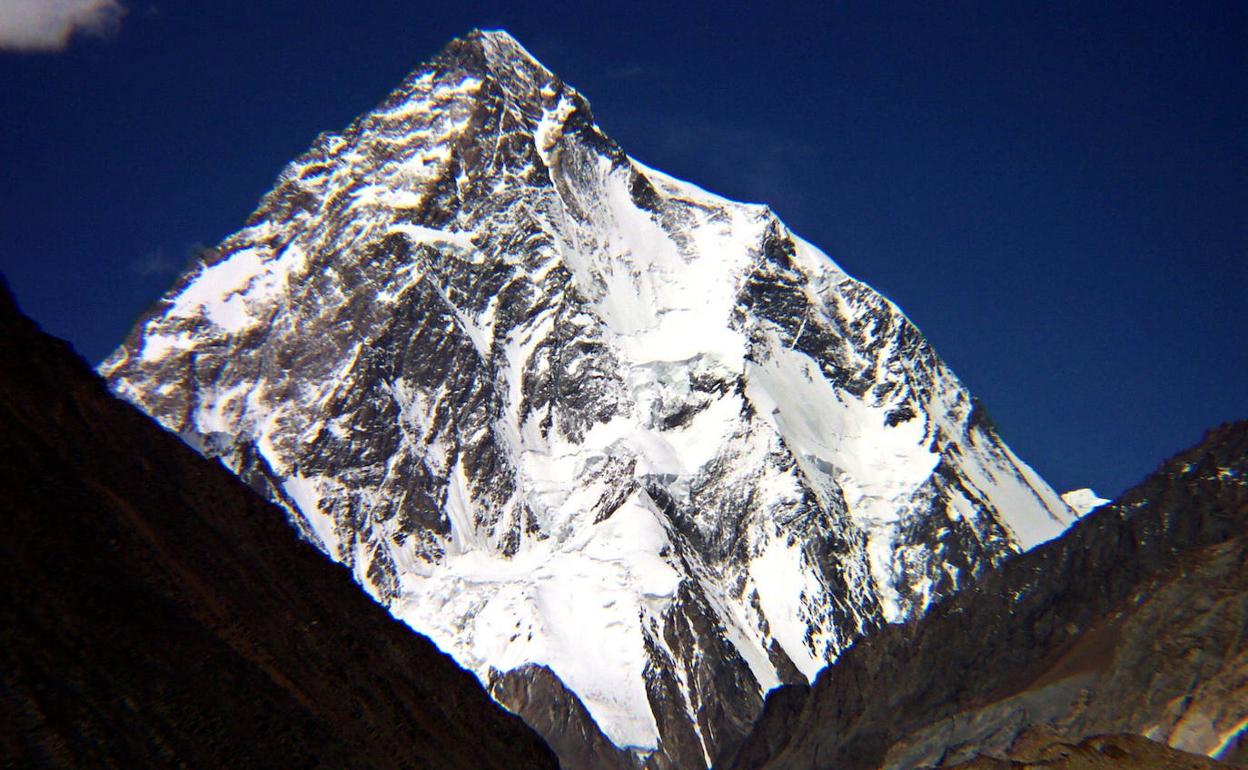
(1133, 622)
(158, 613)
(537, 695)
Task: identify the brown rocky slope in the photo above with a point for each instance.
(158, 613)
(1100, 752)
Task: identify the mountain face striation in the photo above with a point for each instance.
(626, 449)
(157, 613)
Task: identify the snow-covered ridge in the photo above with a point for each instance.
(554, 407)
(1083, 501)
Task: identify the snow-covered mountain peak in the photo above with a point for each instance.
(497, 56)
(506, 56)
(564, 413)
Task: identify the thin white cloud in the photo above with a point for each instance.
(48, 25)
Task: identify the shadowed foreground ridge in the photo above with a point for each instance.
(1132, 622)
(158, 613)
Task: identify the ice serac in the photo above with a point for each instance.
(566, 414)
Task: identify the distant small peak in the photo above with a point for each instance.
(1083, 501)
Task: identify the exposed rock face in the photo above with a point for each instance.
(158, 613)
(535, 693)
(1135, 621)
(578, 420)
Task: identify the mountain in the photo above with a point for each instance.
(158, 613)
(633, 453)
(1133, 622)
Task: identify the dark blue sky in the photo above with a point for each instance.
(1056, 194)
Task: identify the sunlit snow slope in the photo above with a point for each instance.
(554, 407)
